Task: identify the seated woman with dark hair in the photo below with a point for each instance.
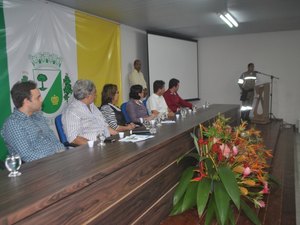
(112, 114)
(135, 107)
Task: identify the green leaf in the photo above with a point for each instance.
(183, 184)
(249, 213)
(210, 166)
(195, 142)
(177, 209)
(210, 212)
(192, 154)
(204, 187)
(230, 184)
(231, 216)
(222, 201)
(190, 197)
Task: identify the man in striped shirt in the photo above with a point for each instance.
(82, 120)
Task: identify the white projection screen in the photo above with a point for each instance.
(174, 58)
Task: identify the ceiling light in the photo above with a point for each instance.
(226, 20)
(229, 20)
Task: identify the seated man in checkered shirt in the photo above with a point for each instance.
(26, 132)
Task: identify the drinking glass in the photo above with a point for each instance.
(183, 112)
(147, 124)
(194, 108)
(164, 116)
(101, 139)
(153, 123)
(152, 127)
(158, 121)
(13, 164)
(206, 104)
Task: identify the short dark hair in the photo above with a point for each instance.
(108, 93)
(173, 82)
(21, 91)
(136, 61)
(158, 84)
(250, 64)
(135, 90)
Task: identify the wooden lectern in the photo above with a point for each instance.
(261, 108)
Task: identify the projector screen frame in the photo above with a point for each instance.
(178, 37)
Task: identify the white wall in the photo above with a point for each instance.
(223, 59)
(133, 46)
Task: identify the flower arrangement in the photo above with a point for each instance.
(231, 172)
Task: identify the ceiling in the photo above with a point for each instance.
(195, 18)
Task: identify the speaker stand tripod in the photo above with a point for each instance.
(272, 77)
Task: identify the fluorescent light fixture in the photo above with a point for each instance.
(231, 19)
(226, 20)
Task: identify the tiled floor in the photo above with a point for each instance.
(297, 176)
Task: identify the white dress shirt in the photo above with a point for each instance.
(158, 103)
(137, 78)
(79, 120)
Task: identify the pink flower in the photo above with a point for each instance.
(246, 172)
(261, 204)
(235, 150)
(266, 188)
(225, 150)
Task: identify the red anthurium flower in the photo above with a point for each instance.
(200, 141)
(201, 172)
(231, 159)
(216, 148)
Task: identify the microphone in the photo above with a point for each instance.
(257, 72)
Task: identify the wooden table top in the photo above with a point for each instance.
(50, 179)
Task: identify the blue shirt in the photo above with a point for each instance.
(29, 136)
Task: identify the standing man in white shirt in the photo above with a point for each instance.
(137, 77)
(156, 102)
(82, 120)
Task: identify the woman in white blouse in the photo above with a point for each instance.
(113, 114)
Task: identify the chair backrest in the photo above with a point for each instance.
(59, 127)
(123, 109)
(145, 104)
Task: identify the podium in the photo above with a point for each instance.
(261, 108)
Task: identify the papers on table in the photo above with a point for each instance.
(136, 138)
(168, 121)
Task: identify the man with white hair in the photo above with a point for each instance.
(82, 120)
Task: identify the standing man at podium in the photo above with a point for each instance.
(247, 83)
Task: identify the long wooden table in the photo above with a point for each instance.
(120, 183)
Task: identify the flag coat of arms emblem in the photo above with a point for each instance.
(47, 74)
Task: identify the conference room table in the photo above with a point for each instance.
(119, 183)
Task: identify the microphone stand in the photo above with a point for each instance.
(272, 77)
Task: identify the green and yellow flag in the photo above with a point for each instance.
(57, 47)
